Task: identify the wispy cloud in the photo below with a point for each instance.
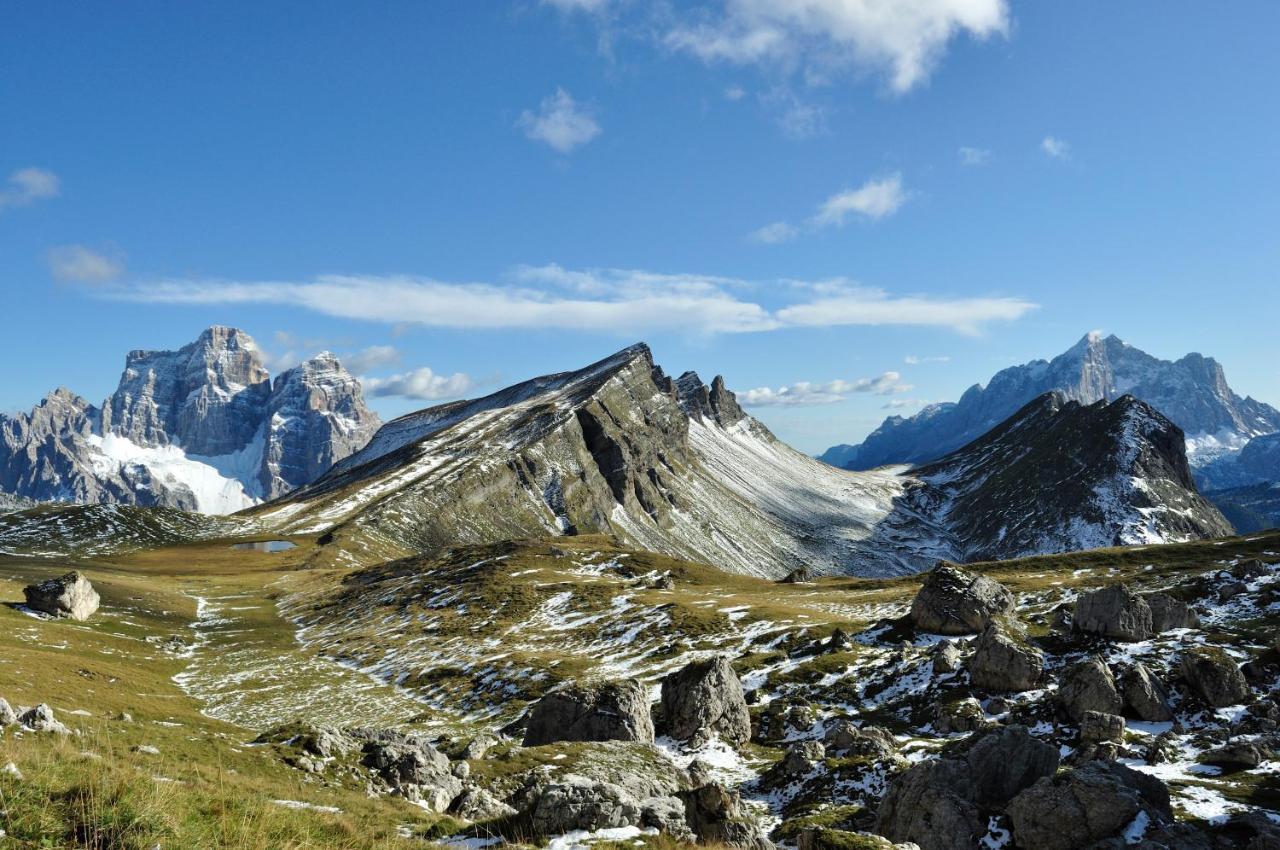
(903, 40)
(915, 360)
(591, 300)
(735, 93)
(805, 393)
(774, 234)
(560, 122)
(82, 264)
(421, 384)
(578, 5)
(1055, 148)
(901, 403)
(974, 156)
(28, 185)
(874, 199)
(373, 357)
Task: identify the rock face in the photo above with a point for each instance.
(1003, 763)
(201, 428)
(675, 467)
(931, 805)
(416, 769)
(954, 602)
(1117, 612)
(705, 698)
(70, 595)
(614, 711)
(1193, 392)
(1090, 803)
(1002, 662)
(1214, 676)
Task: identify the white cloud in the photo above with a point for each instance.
(914, 360)
(1055, 148)
(422, 384)
(798, 119)
(804, 393)
(774, 234)
(901, 39)
(81, 264)
(735, 93)
(974, 156)
(27, 185)
(899, 403)
(874, 199)
(578, 5)
(842, 304)
(592, 300)
(372, 357)
(560, 122)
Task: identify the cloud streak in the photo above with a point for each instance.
(592, 300)
(421, 384)
(561, 123)
(28, 185)
(806, 394)
(82, 264)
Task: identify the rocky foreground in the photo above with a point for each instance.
(1135, 713)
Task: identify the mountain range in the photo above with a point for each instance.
(676, 466)
(1192, 392)
(203, 428)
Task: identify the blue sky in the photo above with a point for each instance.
(884, 201)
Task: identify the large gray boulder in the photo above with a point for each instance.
(1003, 662)
(577, 803)
(416, 769)
(931, 804)
(605, 711)
(1089, 686)
(1214, 676)
(716, 816)
(41, 719)
(70, 595)
(1004, 762)
(1115, 612)
(1079, 807)
(1145, 696)
(955, 602)
(1169, 613)
(703, 699)
(1098, 727)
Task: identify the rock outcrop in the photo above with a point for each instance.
(70, 595)
(955, 602)
(1214, 676)
(602, 711)
(704, 699)
(1090, 803)
(1089, 686)
(1002, 661)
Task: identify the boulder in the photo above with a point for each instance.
(1115, 612)
(802, 759)
(946, 657)
(1144, 695)
(1089, 686)
(784, 719)
(964, 715)
(1236, 755)
(577, 803)
(41, 719)
(872, 742)
(1003, 662)
(1088, 804)
(931, 804)
(478, 746)
(416, 769)
(607, 711)
(1097, 727)
(955, 602)
(800, 575)
(1004, 762)
(715, 815)
(1169, 613)
(1214, 676)
(7, 715)
(703, 699)
(476, 804)
(69, 595)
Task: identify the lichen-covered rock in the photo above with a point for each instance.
(931, 804)
(1089, 686)
(1090, 803)
(1003, 662)
(1004, 762)
(849, 740)
(70, 595)
(955, 602)
(1168, 612)
(964, 715)
(1145, 695)
(946, 657)
(705, 698)
(610, 711)
(476, 804)
(577, 803)
(1115, 612)
(416, 769)
(1214, 676)
(1097, 727)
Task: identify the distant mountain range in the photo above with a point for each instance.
(1192, 392)
(203, 428)
(675, 466)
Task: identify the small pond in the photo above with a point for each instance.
(266, 546)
